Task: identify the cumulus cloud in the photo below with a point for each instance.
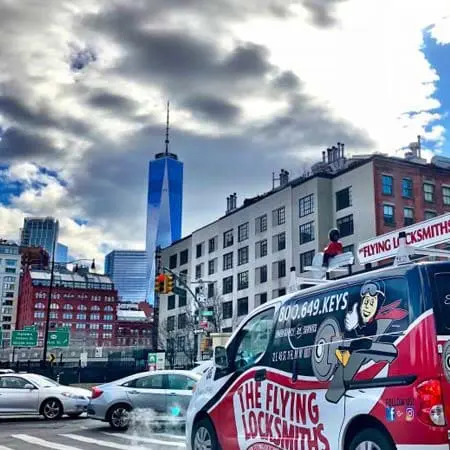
(83, 88)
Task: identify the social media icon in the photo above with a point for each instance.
(409, 414)
(390, 414)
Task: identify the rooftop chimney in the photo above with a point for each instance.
(284, 177)
(228, 204)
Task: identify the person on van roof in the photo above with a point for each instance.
(333, 248)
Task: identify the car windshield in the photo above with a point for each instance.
(46, 382)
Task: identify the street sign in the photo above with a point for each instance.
(152, 361)
(207, 313)
(52, 358)
(58, 339)
(160, 361)
(99, 352)
(179, 291)
(24, 338)
(83, 359)
(30, 328)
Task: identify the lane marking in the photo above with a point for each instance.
(132, 438)
(180, 437)
(43, 443)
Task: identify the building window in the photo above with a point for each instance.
(227, 285)
(171, 302)
(182, 300)
(108, 317)
(388, 215)
(243, 256)
(306, 260)
(173, 261)
(80, 326)
(306, 205)
(409, 216)
(171, 323)
(227, 310)
(387, 185)
(261, 224)
(181, 343)
(343, 198)
(261, 248)
(184, 257)
(199, 250)
(212, 266)
(407, 188)
(430, 214)
(348, 249)
(446, 195)
(261, 274)
(428, 192)
(10, 270)
(212, 244)
(243, 280)
(228, 261)
(345, 225)
(279, 242)
(198, 271)
(242, 306)
(306, 233)
(228, 240)
(279, 269)
(94, 316)
(243, 232)
(261, 298)
(211, 290)
(81, 316)
(279, 216)
(39, 315)
(182, 321)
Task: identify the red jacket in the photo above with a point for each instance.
(334, 248)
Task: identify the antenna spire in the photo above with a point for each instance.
(167, 130)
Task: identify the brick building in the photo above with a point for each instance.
(134, 325)
(84, 302)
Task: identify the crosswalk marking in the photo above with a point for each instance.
(148, 440)
(43, 443)
(99, 442)
(178, 437)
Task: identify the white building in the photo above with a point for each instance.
(248, 253)
(9, 288)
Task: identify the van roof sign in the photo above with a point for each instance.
(420, 235)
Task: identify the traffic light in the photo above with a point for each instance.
(160, 283)
(169, 284)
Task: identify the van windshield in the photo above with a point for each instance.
(442, 303)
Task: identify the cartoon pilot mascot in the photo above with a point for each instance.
(361, 321)
(333, 248)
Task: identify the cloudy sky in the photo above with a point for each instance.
(254, 86)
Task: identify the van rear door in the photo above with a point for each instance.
(440, 287)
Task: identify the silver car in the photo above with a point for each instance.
(165, 394)
(30, 394)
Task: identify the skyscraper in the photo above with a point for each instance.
(164, 205)
(40, 232)
(128, 270)
(62, 253)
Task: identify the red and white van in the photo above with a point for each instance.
(358, 363)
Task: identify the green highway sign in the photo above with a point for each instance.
(207, 313)
(60, 338)
(179, 291)
(24, 338)
(152, 358)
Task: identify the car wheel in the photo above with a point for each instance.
(119, 417)
(204, 436)
(371, 439)
(52, 409)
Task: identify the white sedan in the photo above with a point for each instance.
(30, 394)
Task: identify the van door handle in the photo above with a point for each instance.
(260, 375)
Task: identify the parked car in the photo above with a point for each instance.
(31, 394)
(166, 393)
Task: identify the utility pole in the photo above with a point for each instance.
(155, 329)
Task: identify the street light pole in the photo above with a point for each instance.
(49, 301)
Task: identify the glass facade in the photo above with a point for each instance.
(62, 253)
(164, 209)
(128, 271)
(40, 232)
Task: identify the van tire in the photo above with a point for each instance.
(375, 437)
(203, 428)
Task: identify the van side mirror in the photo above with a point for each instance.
(221, 357)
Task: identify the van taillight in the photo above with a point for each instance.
(96, 392)
(431, 405)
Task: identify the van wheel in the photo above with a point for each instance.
(371, 439)
(204, 436)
